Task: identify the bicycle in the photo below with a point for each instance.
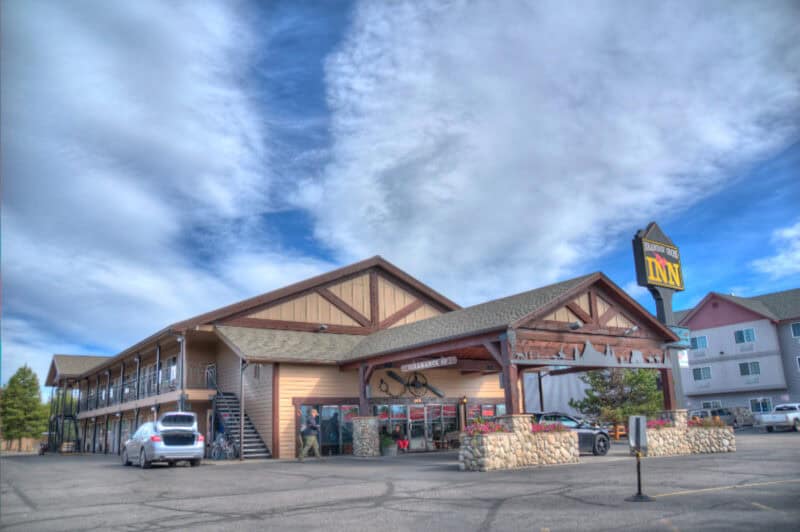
(223, 448)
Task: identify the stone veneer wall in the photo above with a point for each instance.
(366, 441)
(681, 439)
(518, 448)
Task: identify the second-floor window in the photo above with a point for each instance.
(701, 374)
(796, 329)
(699, 342)
(745, 336)
(749, 368)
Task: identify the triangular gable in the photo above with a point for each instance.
(715, 310)
(601, 307)
(358, 299)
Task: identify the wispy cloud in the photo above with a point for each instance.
(125, 129)
(492, 147)
(786, 260)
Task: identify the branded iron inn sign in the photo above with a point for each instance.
(428, 364)
(658, 261)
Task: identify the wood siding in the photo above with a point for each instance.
(227, 369)
(308, 381)
(258, 400)
(310, 308)
(354, 292)
(563, 315)
(448, 381)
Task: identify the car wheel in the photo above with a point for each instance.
(796, 425)
(171, 464)
(195, 462)
(601, 444)
(769, 429)
(735, 424)
(144, 463)
(125, 460)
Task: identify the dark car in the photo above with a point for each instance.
(591, 438)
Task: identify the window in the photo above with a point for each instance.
(257, 372)
(744, 336)
(798, 363)
(701, 374)
(712, 404)
(699, 342)
(761, 405)
(796, 329)
(749, 368)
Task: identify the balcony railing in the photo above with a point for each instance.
(196, 377)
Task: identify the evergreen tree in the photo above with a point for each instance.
(21, 412)
(615, 394)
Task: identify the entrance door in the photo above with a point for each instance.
(416, 424)
(329, 428)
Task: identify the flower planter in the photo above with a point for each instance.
(389, 450)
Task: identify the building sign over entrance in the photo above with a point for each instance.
(658, 261)
(429, 364)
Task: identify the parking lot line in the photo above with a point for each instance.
(723, 488)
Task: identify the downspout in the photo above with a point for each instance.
(158, 369)
(138, 375)
(182, 398)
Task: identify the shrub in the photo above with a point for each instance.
(484, 427)
(706, 423)
(659, 424)
(387, 441)
(548, 427)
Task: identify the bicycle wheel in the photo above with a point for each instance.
(216, 453)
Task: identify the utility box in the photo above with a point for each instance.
(637, 434)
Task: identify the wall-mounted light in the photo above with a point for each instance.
(631, 330)
(575, 325)
(322, 327)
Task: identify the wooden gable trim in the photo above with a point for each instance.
(402, 313)
(578, 311)
(714, 295)
(625, 305)
(260, 323)
(399, 283)
(374, 307)
(342, 305)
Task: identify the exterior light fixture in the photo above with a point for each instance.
(322, 327)
(575, 325)
(631, 330)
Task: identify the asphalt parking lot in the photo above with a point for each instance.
(756, 487)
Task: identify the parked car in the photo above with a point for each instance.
(784, 416)
(173, 438)
(591, 438)
(723, 414)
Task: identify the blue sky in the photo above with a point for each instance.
(161, 159)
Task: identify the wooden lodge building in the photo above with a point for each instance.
(366, 339)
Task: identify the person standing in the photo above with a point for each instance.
(311, 436)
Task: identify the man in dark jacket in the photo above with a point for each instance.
(311, 436)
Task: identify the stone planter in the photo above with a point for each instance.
(389, 450)
(519, 448)
(682, 439)
(366, 441)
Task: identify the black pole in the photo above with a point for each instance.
(541, 392)
(639, 497)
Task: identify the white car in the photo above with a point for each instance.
(785, 416)
(173, 438)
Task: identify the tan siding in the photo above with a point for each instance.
(449, 381)
(227, 369)
(308, 381)
(583, 302)
(563, 314)
(258, 400)
(354, 292)
(391, 298)
(422, 313)
(602, 306)
(311, 308)
(620, 321)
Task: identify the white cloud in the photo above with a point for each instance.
(127, 130)
(786, 261)
(491, 147)
(636, 291)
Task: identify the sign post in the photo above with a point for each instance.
(637, 439)
(659, 269)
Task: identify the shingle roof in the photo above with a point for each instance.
(680, 314)
(785, 305)
(70, 366)
(751, 303)
(288, 346)
(489, 316)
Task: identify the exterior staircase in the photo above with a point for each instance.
(227, 408)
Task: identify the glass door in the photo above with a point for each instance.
(329, 425)
(433, 426)
(416, 417)
(348, 413)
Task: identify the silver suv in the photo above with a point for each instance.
(173, 438)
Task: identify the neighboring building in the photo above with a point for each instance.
(745, 351)
(367, 339)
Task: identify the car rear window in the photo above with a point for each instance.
(178, 420)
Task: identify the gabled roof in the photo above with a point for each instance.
(776, 306)
(72, 366)
(259, 301)
(255, 345)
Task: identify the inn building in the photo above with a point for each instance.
(364, 340)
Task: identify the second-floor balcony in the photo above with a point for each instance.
(152, 384)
